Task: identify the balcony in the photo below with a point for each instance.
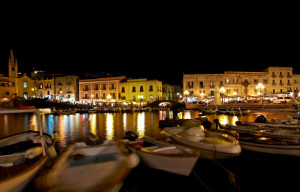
(281, 76)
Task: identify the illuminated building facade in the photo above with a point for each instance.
(66, 88)
(100, 90)
(276, 81)
(141, 91)
(26, 87)
(45, 88)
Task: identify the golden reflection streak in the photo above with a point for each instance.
(223, 119)
(187, 115)
(93, 123)
(141, 125)
(62, 131)
(125, 122)
(233, 120)
(109, 126)
(34, 123)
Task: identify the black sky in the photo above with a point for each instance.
(161, 52)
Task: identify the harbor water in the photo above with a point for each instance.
(248, 172)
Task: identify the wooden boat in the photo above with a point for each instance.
(21, 157)
(196, 137)
(268, 140)
(89, 168)
(164, 156)
(181, 122)
(281, 124)
(233, 112)
(207, 111)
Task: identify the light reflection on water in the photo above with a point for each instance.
(108, 126)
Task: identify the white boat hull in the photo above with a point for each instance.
(176, 165)
(271, 149)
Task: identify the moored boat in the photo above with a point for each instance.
(89, 168)
(22, 155)
(221, 145)
(164, 156)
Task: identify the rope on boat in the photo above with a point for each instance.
(232, 177)
(202, 183)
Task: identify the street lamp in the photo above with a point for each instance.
(222, 91)
(260, 87)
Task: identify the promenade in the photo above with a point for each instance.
(247, 106)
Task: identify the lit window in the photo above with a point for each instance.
(25, 84)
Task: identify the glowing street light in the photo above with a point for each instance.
(186, 93)
(260, 87)
(222, 91)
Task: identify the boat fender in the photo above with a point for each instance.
(131, 136)
(33, 152)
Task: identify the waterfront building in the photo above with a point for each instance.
(66, 88)
(273, 82)
(171, 92)
(45, 88)
(26, 87)
(100, 90)
(141, 91)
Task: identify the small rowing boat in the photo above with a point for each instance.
(222, 145)
(164, 156)
(89, 168)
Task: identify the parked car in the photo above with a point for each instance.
(280, 100)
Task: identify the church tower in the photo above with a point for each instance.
(13, 70)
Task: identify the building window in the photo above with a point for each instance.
(201, 84)
(141, 89)
(151, 88)
(123, 89)
(227, 81)
(133, 89)
(25, 84)
(103, 86)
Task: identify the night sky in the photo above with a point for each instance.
(162, 55)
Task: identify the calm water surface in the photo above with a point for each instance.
(248, 172)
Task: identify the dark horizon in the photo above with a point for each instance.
(168, 67)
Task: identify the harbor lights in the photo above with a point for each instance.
(235, 96)
(141, 99)
(222, 91)
(186, 93)
(260, 87)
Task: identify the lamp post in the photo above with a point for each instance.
(260, 87)
(222, 91)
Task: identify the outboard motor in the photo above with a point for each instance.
(92, 139)
(261, 119)
(218, 125)
(131, 136)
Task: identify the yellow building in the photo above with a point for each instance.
(66, 88)
(141, 91)
(26, 87)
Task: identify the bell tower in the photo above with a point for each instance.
(13, 69)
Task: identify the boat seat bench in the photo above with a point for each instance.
(11, 160)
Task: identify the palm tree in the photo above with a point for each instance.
(246, 84)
